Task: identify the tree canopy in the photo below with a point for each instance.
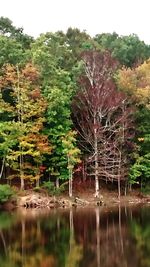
(72, 104)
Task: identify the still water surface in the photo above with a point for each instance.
(100, 237)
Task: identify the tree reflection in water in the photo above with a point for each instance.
(100, 237)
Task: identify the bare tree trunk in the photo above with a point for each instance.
(84, 170)
(119, 193)
(38, 183)
(141, 184)
(96, 164)
(2, 168)
(70, 178)
(21, 172)
(130, 187)
(126, 187)
(119, 176)
(21, 169)
(70, 182)
(20, 119)
(22, 184)
(57, 182)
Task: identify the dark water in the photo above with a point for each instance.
(100, 237)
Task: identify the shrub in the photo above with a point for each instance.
(146, 190)
(51, 188)
(6, 193)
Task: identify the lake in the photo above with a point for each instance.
(96, 237)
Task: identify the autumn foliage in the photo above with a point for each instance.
(69, 109)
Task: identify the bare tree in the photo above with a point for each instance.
(101, 117)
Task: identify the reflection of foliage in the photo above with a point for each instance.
(141, 234)
(75, 255)
(6, 220)
(59, 235)
(41, 242)
(7, 262)
(39, 259)
(54, 240)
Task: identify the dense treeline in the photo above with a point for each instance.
(72, 104)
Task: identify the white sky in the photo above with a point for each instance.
(95, 16)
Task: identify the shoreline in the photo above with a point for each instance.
(39, 200)
(34, 200)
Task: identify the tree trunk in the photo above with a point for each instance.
(70, 182)
(84, 166)
(141, 185)
(119, 176)
(96, 164)
(119, 193)
(130, 187)
(20, 120)
(57, 182)
(126, 187)
(38, 183)
(22, 184)
(2, 168)
(21, 172)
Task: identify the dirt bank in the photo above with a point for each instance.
(39, 200)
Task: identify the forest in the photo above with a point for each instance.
(74, 107)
